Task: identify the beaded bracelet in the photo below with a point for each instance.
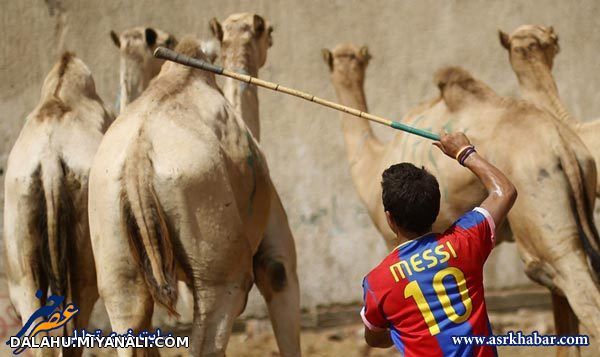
(461, 151)
(466, 154)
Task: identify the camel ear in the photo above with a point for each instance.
(270, 30)
(364, 53)
(504, 39)
(328, 58)
(216, 29)
(555, 38)
(171, 42)
(115, 39)
(259, 25)
(151, 36)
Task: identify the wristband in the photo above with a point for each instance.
(466, 154)
(461, 151)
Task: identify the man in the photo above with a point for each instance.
(430, 287)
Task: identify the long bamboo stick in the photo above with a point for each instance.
(165, 53)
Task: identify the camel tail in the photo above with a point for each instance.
(56, 226)
(583, 210)
(148, 232)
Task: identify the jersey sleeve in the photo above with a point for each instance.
(477, 228)
(371, 312)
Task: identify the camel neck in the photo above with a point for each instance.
(538, 86)
(361, 144)
(243, 96)
(133, 81)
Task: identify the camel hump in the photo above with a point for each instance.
(456, 83)
(192, 47)
(453, 75)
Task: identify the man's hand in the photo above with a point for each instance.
(452, 143)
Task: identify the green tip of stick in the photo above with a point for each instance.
(419, 132)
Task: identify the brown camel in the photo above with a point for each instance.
(46, 234)
(532, 49)
(138, 65)
(245, 39)
(552, 216)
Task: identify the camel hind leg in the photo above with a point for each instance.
(569, 275)
(215, 252)
(220, 291)
(276, 278)
(216, 306)
(22, 262)
(120, 282)
(128, 302)
(565, 323)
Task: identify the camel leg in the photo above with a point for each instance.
(122, 287)
(129, 306)
(276, 278)
(84, 300)
(23, 271)
(23, 298)
(215, 309)
(565, 323)
(84, 290)
(571, 275)
(186, 299)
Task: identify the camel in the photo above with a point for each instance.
(245, 39)
(46, 235)
(552, 217)
(138, 65)
(532, 49)
(192, 205)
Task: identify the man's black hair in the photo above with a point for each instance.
(412, 196)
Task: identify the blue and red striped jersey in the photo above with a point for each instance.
(431, 288)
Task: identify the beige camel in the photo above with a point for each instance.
(192, 204)
(245, 39)
(532, 49)
(138, 65)
(46, 235)
(556, 182)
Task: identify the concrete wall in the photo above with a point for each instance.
(409, 40)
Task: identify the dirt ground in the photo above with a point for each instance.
(347, 341)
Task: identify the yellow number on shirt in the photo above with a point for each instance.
(442, 295)
(413, 290)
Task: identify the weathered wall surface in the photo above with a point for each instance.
(409, 40)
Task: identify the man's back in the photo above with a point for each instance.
(431, 288)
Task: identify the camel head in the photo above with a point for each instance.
(245, 39)
(138, 65)
(347, 63)
(530, 44)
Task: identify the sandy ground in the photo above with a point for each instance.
(333, 342)
(347, 341)
(256, 339)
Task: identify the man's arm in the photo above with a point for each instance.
(379, 339)
(501, 192)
